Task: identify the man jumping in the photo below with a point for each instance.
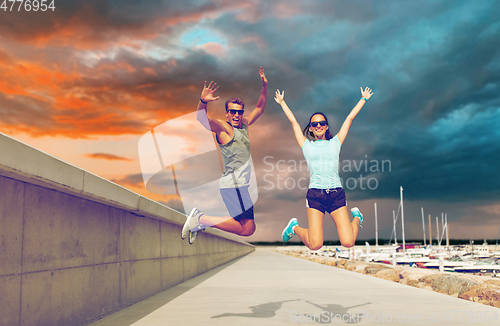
(234, 144)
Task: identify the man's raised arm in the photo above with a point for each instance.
(261, 103)
(207, 95)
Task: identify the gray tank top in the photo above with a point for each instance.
(237, 160)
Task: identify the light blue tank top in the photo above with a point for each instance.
(322, 158)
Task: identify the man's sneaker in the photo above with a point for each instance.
(356, 213)
(288, 231)
(192, 223)
(192, 236)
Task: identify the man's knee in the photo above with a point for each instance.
(248, 229)
(247, 233)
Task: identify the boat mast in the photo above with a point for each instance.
(437, 235)
(394, 227)
(443, 226)
(423, 224)
(447, 238)
(430, 231)
(402, 218)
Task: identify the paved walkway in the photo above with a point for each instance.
(267, 288)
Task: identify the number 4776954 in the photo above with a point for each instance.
(28, 5)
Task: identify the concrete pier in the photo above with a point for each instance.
(76, 247)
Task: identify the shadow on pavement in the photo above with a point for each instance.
(269, 309)
(265, 310)
(334, 311)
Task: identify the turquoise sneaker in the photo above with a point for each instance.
(288, 231)
(356, 213)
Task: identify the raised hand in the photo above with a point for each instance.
(207, 94)
(279, 98)
(262, 76)
(367, 93)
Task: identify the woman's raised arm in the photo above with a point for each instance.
(280, 99)
(344, 130)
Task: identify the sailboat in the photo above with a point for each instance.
(490, 265)
(457, 261)
(496, 253)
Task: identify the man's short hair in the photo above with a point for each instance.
(235, 100)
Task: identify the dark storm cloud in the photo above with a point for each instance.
(96, 22)
(422, 88)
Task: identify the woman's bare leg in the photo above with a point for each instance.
(313, 236)
(347, 229)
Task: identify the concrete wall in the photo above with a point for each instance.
(75, 247)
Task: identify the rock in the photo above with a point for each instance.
(316, 259)
(450, 284)
(415, 283)
(473, 278)
(370, 269)
(360, 268)
(412, 276)
(332, 262)
(489, 293)
(493, 282)
(429, 279)
(341, 262)
(351, 265)
(415, 273)
(396, 277)
(390, 271)
(392, 274)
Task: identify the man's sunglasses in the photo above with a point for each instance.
(232, 111)
(321, 123)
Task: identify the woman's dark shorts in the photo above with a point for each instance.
(238, 202)
(325, 200)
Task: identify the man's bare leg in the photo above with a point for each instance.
(244, 227)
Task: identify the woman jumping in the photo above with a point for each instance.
(325, 194)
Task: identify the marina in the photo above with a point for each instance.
(451, 260)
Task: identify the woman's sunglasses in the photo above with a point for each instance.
(233, 112)
(321, 123)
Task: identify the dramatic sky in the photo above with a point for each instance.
(86, 81)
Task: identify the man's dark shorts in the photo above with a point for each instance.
(325, 200)
(238, 202)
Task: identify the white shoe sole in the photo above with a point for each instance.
(185, 229)
(192, 237)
